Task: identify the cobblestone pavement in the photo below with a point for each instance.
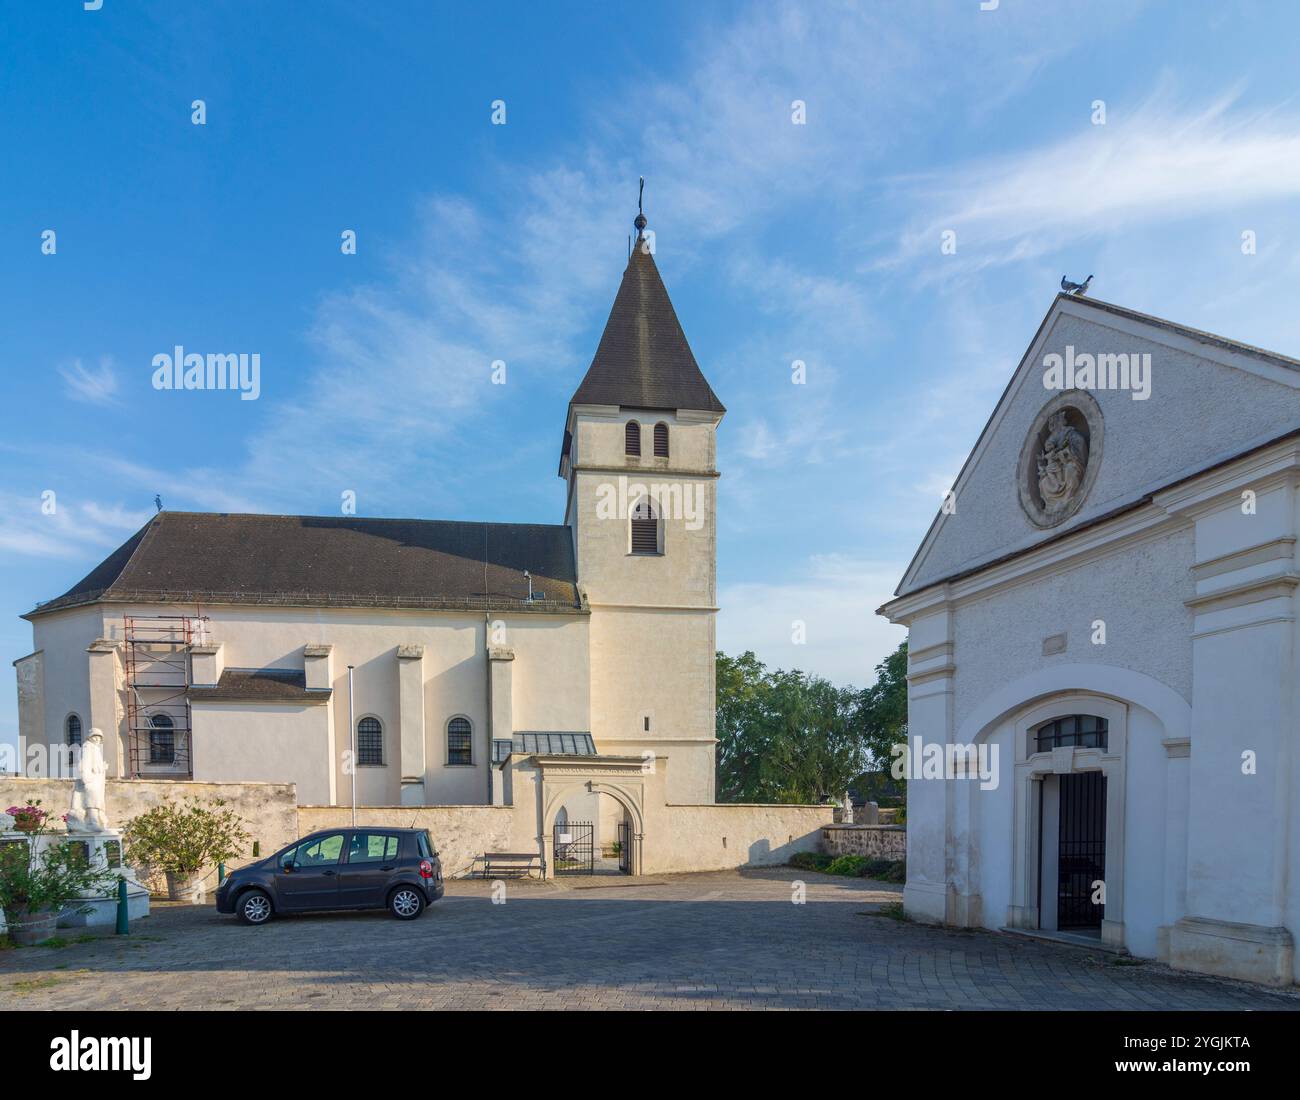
(721, 940)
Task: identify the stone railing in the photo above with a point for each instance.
(872, 841)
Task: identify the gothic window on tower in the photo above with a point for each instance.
(74, 729)
(645, 528)
(460, 741)
(632, 438)
(661, 440)
(370, 743)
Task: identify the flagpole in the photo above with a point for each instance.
(352, 742)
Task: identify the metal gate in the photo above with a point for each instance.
(575, 849)
(1082, 852)
(625, 847)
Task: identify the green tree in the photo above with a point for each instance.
(784, 736)
(794, 737)
(740, 686)
(882, 709)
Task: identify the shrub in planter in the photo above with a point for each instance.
(181, 839)
(41, 880)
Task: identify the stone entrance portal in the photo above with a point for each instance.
(623, 778)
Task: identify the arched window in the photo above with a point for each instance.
(162, 739)
(1087, 731)
(73, 726)
(632, 438)
(370, 743)
(661, 440)
(645, 528)
(460, 741)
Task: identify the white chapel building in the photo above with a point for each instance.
(217, 647)
(1103, 615)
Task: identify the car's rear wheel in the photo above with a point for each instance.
(406, 903)
(254, 907)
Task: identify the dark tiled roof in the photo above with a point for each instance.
(548, 743)
(260, 685)
(643, 360)
(211, 557)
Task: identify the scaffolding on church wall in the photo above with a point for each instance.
(156, 657)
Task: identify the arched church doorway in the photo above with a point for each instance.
(594, 832)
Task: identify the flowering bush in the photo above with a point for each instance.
(184, 838)
(40, 878)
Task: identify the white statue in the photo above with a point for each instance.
(87, 814)
(846, 816)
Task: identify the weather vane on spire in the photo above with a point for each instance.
(640, 222)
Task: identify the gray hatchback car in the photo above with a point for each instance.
(366, 867)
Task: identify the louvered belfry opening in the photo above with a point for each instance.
(645, 528)
(661, 440)
(632, 438)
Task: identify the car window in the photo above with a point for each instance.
(319, 852)
(372, 848)
(423, 844)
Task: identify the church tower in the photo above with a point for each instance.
(639, 460)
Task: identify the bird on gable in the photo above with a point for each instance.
(1075, 288)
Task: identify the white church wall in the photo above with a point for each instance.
(551, 674)
(1147, 837)
(63, 636)
(253, 742)
(656, 667)
(994, 821)
(1137, 591)
(551, 685)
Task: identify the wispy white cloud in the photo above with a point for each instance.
(96, 385)
(55, 524)
(1160, 163)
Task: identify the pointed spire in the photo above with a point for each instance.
(643, 360)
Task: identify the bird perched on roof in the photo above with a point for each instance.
(1075, 288)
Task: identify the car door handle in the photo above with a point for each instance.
(327, 872)
(388, 868)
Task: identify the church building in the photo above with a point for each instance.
(1103, 654)
(417, 658)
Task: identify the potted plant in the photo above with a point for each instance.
(28, 818)
(181, 839)
(41, 879)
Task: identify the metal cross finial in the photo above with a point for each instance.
(640, 222)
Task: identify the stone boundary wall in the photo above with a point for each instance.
(872, 841)
(269, 810)
(726, 835)
(460, 833)
(680, 838)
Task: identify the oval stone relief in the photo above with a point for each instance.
(1060, 457)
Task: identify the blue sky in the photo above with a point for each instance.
(477, 243)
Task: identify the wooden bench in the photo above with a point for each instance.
(516, 864)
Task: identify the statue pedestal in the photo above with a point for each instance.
(103, 849)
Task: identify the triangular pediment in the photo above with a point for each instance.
(1033, 476)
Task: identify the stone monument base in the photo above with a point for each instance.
(104, 849)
